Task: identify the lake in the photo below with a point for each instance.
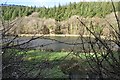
(56, 43)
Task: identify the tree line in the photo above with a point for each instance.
(59, 13)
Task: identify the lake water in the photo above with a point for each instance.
(55, 43)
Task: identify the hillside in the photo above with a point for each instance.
(62, 19)
(32, 24)
(60, 13)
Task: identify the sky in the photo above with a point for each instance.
(47, 3)
(40, 3)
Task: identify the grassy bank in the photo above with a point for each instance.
(54, 64)
(43, 55)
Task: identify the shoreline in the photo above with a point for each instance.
(59, 35)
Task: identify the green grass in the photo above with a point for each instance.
(43, 55)
(32, 58)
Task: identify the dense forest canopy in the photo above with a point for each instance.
(85, 9)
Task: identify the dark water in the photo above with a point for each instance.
(55, 43)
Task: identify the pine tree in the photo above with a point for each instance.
(14, 14)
